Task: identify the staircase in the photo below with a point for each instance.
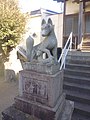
(77, 83)
(86, 44)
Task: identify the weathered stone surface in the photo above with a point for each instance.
(41, 111)
(12, 113)
(42, 68)
(64, 112)
(41, 88)
(10, 75)
(69, 107)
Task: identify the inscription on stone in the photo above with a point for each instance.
(35, 87)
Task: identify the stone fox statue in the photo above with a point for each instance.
(47, 46)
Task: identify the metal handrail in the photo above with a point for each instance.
(68, 46)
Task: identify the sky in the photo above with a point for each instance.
(30, 5)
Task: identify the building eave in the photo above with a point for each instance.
(77, 1)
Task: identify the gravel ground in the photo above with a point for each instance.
(8, 90)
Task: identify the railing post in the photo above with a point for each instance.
(68, 46)
(71, 41)
(75, 43)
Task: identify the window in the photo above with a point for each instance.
(68, 25)
(75, 25)
(87, 22)
(71, 25)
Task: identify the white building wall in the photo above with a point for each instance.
(34, 26)
(58, 22)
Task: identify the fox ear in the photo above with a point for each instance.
(43, 22)
(50, 21)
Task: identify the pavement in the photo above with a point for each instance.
(8, 90)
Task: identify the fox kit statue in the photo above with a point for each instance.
(47, 46)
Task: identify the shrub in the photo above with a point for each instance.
(12, 26)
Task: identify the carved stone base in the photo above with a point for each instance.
(41, 68)
(68, 110)
(12, 113)
(40, 95)
(41, 111)
(41, 88)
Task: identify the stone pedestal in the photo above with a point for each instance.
(41, 94)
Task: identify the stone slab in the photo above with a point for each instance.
(41, 111)
(69, 107)
(12, 113)
(41, 68)
(41, 88)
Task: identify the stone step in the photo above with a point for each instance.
(78, 53)
(14, 114)
(75, 57)
(78, 61)
(86, 40)
(78, 57)
(77, 80)
(85, 48)
(78, 66)
(78, 116)
(83, 109)
(82, 105)
(86, 43)
(76, 87)
(77, 83)
(79, 72)
(77, 97)
(88, 46)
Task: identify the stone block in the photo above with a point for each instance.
(41, 68)
(10, 75)
(42, 88)
(40, 111)
(12, 113)
(62, 112)
(68, 110)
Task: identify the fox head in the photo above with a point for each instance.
(46, 27)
